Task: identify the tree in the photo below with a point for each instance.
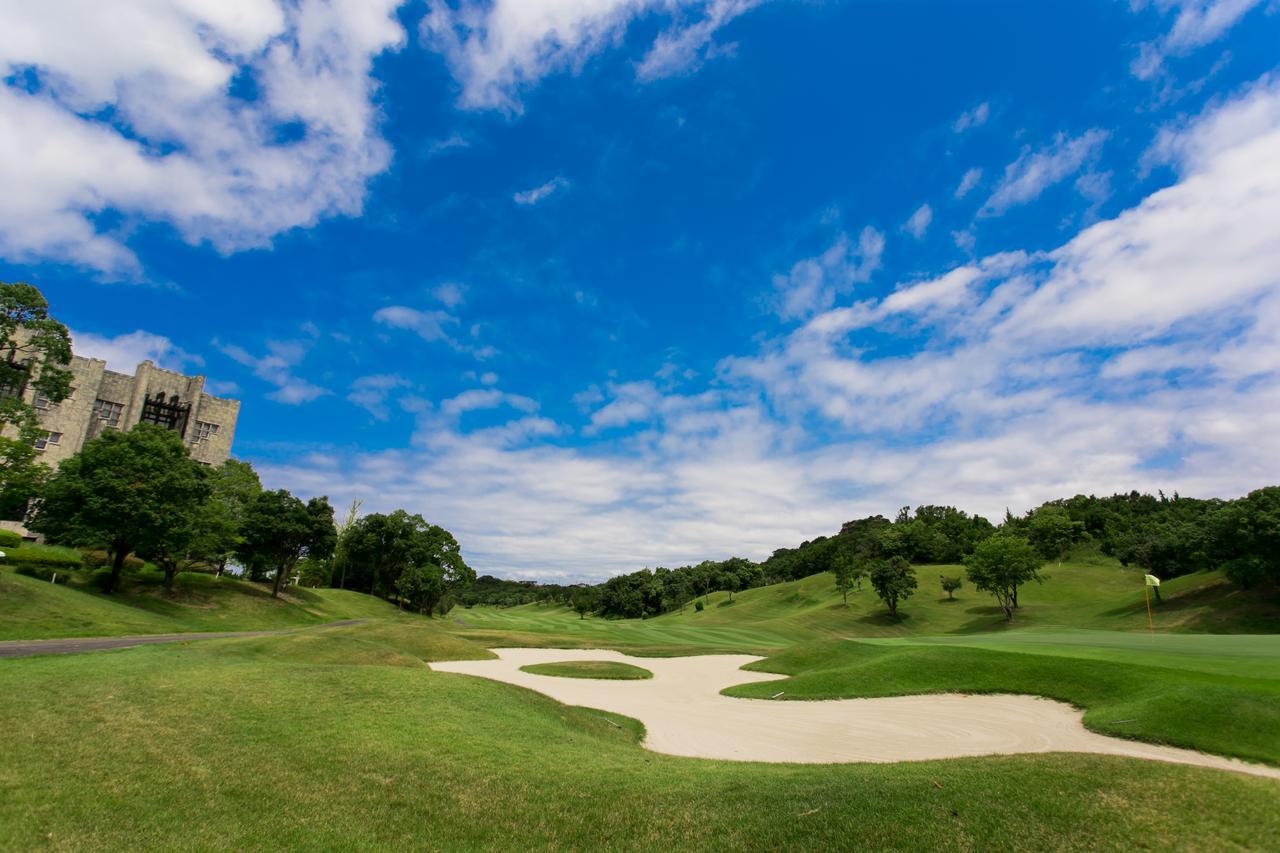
(1051, 530)
(847, 572)
(180, 527)
(127, 491)
(1246, 537)
(894, 580)
(233, 487)
(581, 605)
(379, 548)
(279, 530)
(1000, 565)
(950, 585)
(35, 350)
(422, 586)
(340, 559)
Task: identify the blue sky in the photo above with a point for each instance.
(601, 284)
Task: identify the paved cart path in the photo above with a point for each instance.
(72, 645)
(684, 714)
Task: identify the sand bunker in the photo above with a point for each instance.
(684, 713)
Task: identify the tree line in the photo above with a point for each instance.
(139, 493)
(1165, 536)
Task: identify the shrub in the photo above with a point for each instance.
(44, 573)
(98, 559)
(9, 539)
(40, 555)
(699, 606)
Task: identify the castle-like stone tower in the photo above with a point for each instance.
(102, 399)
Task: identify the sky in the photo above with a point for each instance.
(606, 284)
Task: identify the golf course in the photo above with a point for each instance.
(371, 735)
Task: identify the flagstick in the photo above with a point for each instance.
(1147, 591)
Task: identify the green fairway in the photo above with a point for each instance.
(35, 609)
(1091, 593)
(345, 739)
(610, 670)
(356, 744)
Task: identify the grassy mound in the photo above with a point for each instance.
(33, 609)
(170, 744)
(589, 669)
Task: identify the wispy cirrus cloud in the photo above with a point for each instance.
(530, 197)
(973, 118)
(1036, 170)
(812, 284)
(496, 49)
(1197, 23)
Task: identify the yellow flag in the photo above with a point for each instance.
(1152, 580)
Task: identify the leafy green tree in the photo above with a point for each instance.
(950, 585)
(848, 572)
(126, 491)
(379, 548)
(35, 350)
(582, 605)
(893, 580)
(314, 572)
(1246, 535)
(421, 585)
(1051, 530)
(1000, 565)
(279, 530)
(340, 559)
(233, 485)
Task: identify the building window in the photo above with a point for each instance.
(40, 401)
(204, 432)
(49, 438)
(108, 412)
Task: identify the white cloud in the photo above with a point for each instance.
(450, 294)
(1017, 378)
(968, 182)
(1198, 23)
(496, 49)
(533, 196)
(485, 398)
(123, 353)
(428, 325)
(814, 283)
(276, 368)
(179, 144)
(683, 47)
(970, 119)
(1035, 171)
(919, 221)
(371, 393)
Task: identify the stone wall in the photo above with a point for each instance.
(210, 427)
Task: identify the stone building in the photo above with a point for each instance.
(102, 399)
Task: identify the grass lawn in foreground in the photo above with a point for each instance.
(346, 739)
(607, 669)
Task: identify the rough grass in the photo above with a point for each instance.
(276, 743)
(611, 670)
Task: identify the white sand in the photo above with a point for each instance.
(684, 713)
